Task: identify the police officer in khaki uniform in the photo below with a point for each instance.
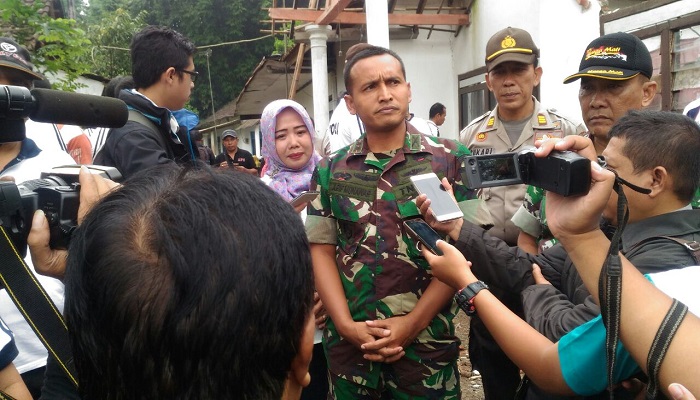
(516, 122)
(514, 125)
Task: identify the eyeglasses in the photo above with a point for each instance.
(193, 74)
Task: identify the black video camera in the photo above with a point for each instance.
(562, 172)
(57, 193)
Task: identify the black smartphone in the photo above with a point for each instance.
(421, 232)
(304, 197)
(442, 204)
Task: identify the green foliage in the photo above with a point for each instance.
(111, 35)
(57, 44)
(283, 44)
(213, 22)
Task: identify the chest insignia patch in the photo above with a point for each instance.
(481, 136)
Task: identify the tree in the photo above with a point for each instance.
(111, 35)
(212, 22)
(57, 44)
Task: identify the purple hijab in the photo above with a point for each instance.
(285, 181)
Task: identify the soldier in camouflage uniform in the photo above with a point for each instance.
(366, 267)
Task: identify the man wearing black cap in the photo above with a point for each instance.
(615, 73)
(515, 124)
(233, 156)
(22, 160)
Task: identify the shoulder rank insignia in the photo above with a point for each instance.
(541, 119)
(492, 120)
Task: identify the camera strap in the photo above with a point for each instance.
(610, 294)
(610, 287)
(35, 305)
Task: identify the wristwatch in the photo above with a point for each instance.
(465, 297)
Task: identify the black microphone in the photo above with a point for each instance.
(78, 109)
(55, 106)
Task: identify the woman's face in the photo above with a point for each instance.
(292, 139)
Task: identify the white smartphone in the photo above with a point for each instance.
(443, 205)
(304, 197)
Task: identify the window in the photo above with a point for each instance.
(674, 43)
(685, 66)
(474, 96)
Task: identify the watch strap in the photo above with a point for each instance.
(465, 297)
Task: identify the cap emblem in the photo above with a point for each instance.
(507, 42)
(8, 47)
(605, 52)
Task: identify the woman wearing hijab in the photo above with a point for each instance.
(288, 150)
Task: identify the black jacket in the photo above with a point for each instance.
(134, 147)
(557, 309)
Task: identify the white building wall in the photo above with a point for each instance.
(561, 28)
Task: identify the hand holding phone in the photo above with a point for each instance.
(422, 233)
(442, 203)
(303, 198)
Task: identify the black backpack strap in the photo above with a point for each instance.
(35, 305)
(664, 335)
(693, 246)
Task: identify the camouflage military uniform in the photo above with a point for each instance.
(532, 219)
(364, 199)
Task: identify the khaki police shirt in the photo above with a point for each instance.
(487, 135)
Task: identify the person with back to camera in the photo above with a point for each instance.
(157, 310)
(517, 121)
(288, 146)
(233, 156)
(660, 222)
(163, 71)
(613, 82)
(577, 363)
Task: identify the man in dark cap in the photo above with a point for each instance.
(615, 73)
(234, 157)
(514, 125)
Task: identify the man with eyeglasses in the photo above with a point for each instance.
(164, 75)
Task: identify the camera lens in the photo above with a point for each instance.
(472, 162)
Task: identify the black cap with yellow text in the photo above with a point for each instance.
(510, 44)
(615, 56)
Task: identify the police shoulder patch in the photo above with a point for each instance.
(479, 118)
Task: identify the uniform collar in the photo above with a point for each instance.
(539, 120)
(414, 142)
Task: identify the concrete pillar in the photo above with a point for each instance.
(318, 35)
(377, 22)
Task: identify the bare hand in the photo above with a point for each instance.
(679, 392)
(402, 330)
(451, 227)
(51, 262)
(577, 214)
(538, 277)
(451, 268)
(361, 334)
(319, 311)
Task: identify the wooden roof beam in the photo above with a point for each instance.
(361, 18)
(333, 8)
